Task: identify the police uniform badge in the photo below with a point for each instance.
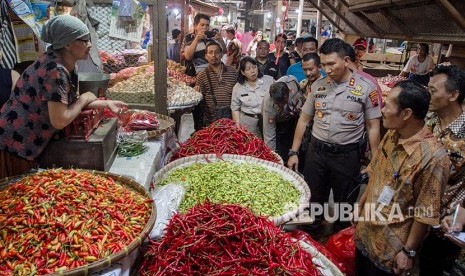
(374, 98)
(352, 82)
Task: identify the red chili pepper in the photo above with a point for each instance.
(60, 222)
(225, 136)
(226, 240)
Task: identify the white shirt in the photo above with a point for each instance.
(414, 66)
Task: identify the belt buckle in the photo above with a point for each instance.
(330, 147)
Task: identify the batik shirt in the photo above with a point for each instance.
(453, 139)
(416, 169)
(25, 127)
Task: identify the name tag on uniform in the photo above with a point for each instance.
(386, 195)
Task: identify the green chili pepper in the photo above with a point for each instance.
(263, 191)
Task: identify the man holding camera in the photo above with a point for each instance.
(194, 44)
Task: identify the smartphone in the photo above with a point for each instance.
(210, 34)
(289, 43)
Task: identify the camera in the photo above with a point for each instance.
(210, 34)
(289, 43)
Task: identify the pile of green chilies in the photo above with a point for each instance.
(265, 192)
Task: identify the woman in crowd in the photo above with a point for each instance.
(248, 93)
(45, 99)
(252, 47)
(8, 79)
(419, 66)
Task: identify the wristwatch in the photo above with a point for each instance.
(292, 153)
(409, 253)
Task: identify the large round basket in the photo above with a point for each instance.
(104, 263)
(166, 123)
(324, 265)
(296, 180)
(172, 151)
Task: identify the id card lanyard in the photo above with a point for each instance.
(389, 189)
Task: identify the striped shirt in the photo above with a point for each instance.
(221, 87)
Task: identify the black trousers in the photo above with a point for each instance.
(284, 137)
(327, 169)
(437, 254)
(364, 266)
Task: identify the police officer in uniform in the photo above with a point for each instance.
(341, 105)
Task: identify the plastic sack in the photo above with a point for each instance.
(167, 200)
(305, 237)
(341, 245)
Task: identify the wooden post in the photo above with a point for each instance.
(299, 18)
(159, 50)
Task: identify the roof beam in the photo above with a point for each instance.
(396, 21)
(370, 24)
(325, 14)
(341, 16)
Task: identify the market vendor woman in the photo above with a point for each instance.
(45, 99)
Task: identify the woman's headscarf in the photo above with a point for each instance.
(61, 30)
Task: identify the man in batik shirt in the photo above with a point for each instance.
(447, 123)
(407, 175)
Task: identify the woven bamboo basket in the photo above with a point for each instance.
(324, 265)
(296, 180)
(104, 263)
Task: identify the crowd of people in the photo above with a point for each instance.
(315, 107)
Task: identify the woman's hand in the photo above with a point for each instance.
(447, 227)
(117, 107)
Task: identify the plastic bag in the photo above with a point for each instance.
(341, 245)
(167, 200)
(142, 120)
(302, 236)
(131, 144)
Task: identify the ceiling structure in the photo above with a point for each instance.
(439, 21)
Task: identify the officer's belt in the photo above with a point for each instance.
(255, 116)
(333, 148)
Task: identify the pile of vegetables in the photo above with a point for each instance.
(177, 72)
(178, 93)
(265, 192)
(225, 136)
(58, 220)
(225, 240)
(386, 83)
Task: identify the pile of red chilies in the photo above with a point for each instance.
(214, 239)
(63, 219)
(225, 136)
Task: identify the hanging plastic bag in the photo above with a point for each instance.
(341, 245)
(167, 200)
